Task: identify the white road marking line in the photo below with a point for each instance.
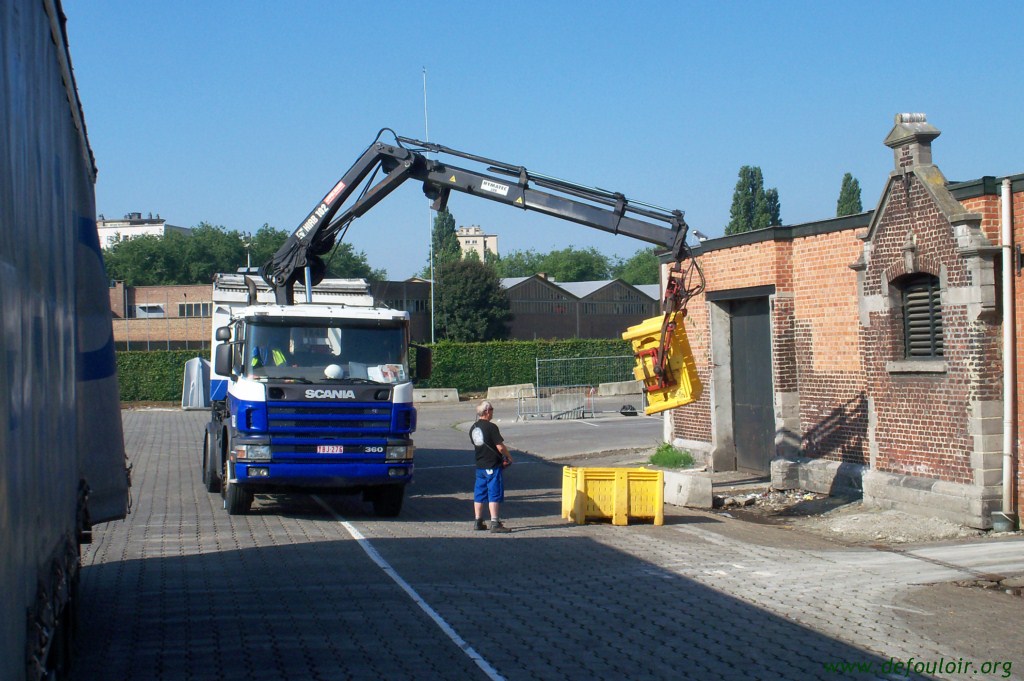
(450, 632)
(911, 610)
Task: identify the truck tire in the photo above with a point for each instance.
(237, 501)
(387, 501)
(210, 480)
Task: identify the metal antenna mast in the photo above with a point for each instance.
(430, 219)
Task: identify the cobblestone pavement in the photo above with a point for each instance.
(319, 588)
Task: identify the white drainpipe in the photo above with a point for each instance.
(1009, 387)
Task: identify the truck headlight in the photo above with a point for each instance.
(252, 452)
(399, 452)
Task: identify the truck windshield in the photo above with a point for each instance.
(336, 351)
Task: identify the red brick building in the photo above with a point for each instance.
(161, 317)
(864, 354)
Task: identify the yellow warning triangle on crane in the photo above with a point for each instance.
(451, 179)
(519, 200)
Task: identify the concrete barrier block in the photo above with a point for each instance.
(688, 488)
(817, 475)
(435, 395)
(511, 392)
(785, 474)
(926, 497)
(620, 388)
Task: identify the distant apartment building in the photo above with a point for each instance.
(134, 225)
(473, 239)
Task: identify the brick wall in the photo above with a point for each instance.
(815, 337)
(741, 267)
(161, 334)
(170, 331)
(830, 374)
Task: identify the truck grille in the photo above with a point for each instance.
(298, 428)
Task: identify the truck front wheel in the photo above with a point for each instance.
(387, 501)
(236, 500)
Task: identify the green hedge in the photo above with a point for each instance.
(157, 376)
(477, 366)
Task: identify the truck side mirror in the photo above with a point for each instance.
(424, 362)
(222, 359)
(223, 333)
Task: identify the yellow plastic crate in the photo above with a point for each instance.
(616, 493)
(645, 337)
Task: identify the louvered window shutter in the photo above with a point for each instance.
(922, 317)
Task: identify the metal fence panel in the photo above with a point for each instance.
(556, 402)
(592, 371)
(566, 387)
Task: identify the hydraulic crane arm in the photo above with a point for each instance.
(508, 184)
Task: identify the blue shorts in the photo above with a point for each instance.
(489, 486)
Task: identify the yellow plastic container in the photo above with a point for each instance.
(616, 493)
(682, 385)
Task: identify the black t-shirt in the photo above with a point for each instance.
(486, 437)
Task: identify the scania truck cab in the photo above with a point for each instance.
(309, 397)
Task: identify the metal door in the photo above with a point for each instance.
(753, 416)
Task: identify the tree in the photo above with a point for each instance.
(140, 261)
(472, 306)
(518, 264)
(175, 258)
(570, 264)
(849, 197)
(345, 262)
(642, 268)
(194, 258)
(567, 264)
(752, 206)
(265, 243)
(444, 243)
(771, 200)
(208, 250)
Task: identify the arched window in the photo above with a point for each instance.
(922, 316)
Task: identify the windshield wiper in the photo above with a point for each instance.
(297, 379)
(355, 379)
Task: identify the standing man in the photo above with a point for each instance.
(491, 457)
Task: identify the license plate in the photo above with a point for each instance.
(330, 449)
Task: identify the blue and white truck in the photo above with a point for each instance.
(309, 397)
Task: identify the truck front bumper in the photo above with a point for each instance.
(339, 476)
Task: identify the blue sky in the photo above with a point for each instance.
(240, 114)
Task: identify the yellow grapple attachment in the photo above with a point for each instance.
(670, 378)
